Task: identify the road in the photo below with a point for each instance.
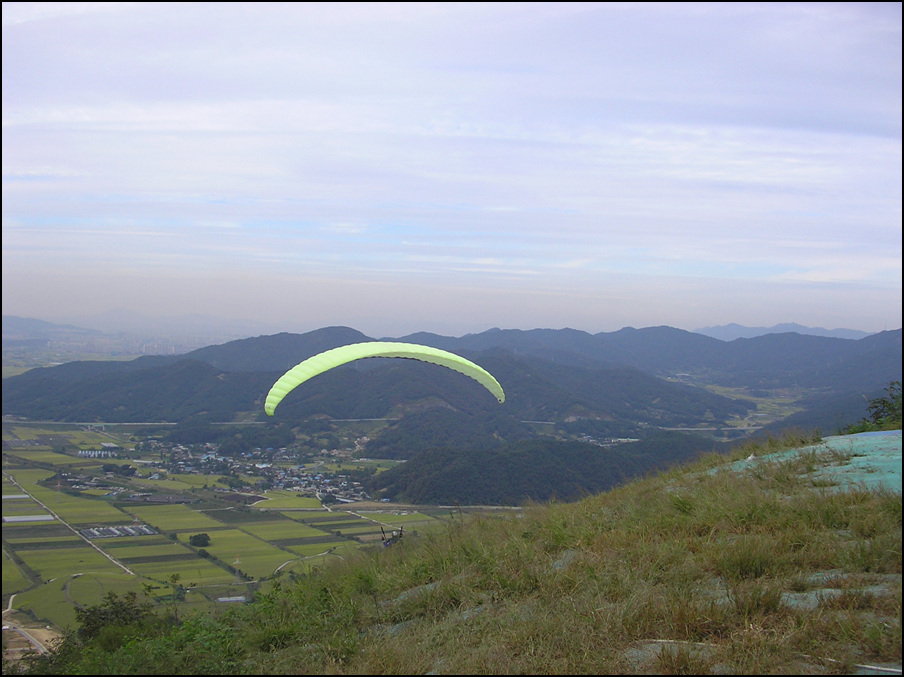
(41, 639)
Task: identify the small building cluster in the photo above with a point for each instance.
(114, 532)
(98, 453)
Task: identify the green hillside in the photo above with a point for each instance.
(757, 563)
(531, 470)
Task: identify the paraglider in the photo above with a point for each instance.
(395, 538)
(356, 351)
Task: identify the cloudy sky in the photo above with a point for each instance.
(455, 167)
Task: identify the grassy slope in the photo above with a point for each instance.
(694, 571)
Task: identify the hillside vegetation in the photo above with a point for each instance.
(766, 569)
(533, 470)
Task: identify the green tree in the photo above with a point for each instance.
(887, 410)
(178, 592)
(884, 412)
(199, 540)
(114, 610)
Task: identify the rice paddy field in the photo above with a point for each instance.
(287, 500)
(64, 546)
(51, 564)
(174, 518)
(55, 557)
(13, 579)
(285, 530)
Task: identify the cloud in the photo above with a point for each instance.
(583, 151)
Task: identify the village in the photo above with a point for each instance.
(332, 476)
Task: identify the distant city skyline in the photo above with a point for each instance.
(455, 167)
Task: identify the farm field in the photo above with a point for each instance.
(52, 562)
(174, 518)
(13, 578)
(74, 510)
(771, 406)
(19, 509)
(286, 500)
(56, 459)
(249, 554)
(285, 529)
(50, 435)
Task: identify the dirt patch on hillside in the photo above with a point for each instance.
(22, 636)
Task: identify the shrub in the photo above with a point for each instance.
(199, 540)
(884, 412)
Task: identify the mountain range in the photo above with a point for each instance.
(119, 322)
(548, 374)
(730, 332)
(227, 380)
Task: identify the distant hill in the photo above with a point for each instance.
(768, 361)
(15, 327)
(603, 383)
(27, 329)
(614, 399)
(730, 332)
(121, 320)
(147, 389)
(277, 352)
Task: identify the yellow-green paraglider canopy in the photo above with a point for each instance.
(356, 351)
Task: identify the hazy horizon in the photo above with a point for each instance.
(453, 168)
(132, 322)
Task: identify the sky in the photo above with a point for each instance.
(455, 167)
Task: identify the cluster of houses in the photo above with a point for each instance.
(270, 468)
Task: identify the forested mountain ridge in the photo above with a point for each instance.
(772, 360)
(276, 352)
(547, 374)
(536, 390)
(656, 350)
(163, 390)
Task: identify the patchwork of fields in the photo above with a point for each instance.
(54, 562)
